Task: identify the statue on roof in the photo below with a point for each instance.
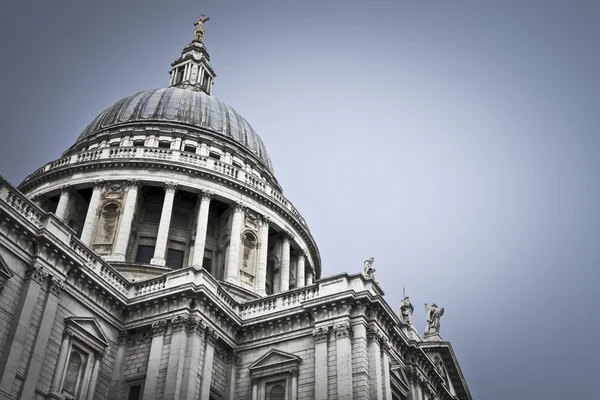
(199, 31)
(369, 271)
(433, 318)
(406, 310)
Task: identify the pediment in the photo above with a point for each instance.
(88, 330)
(275, 358)
(5, 272)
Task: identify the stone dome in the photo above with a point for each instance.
(181, 106)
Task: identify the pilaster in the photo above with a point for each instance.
(41, 340)
(159, 329)
(375, 372)
(19, 328)
(117, 371)
(176, 362)
(343, 335)
(230, 382)
(321, 335)
(194, 356)
(209, 353)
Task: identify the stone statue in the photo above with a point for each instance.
(199, 31)
(433, 318)
(406, 310)
(369, 271)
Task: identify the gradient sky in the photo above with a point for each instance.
(455, 141)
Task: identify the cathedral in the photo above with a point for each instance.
(158, 258)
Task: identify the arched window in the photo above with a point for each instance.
(277, 392)
(74, 374)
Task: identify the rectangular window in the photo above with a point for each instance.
(135, 392)
(189, 149)
(211, 228)
(207, 264)
(164, 144)
(175, 258)
(180, 219)
(144, 254)
(114, 144)
(138, 143)
(152, 214)
(212, 154)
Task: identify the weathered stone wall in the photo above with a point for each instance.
(9, 296)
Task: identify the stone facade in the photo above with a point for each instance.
(159, 260)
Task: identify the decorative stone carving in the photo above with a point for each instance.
(321, 334)
(232, 356)
(206, 195)
(170, 187)
(178, 322)
(122, 337)
(159, 327)
(211, 336)
(239, 207)
(406, 310)
(65, 189)
(343, 330)
(56, 286)
(294, 372)
(433, 318)
(194, 323)
(133, 183)
(37, 273)
(373, 334)
(98, 184)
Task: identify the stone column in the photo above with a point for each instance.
(61, 362)
(163, 227)
(124, 233)
(207, 369)
(201, 226)
(263, 251)
(285, 263)
(156, 347)
(176, 362)
(41, 340)
(19, 329)
(373, 339)
(255, 388)
(309, 278)
(232, 359)
(387, 386)
(117, 371)
(343, 334)
(93, 378)
(294, 394)
(321, 336)
(193, 360)
(63, 203)
(90, 217)
(234, 244)
(300, 281)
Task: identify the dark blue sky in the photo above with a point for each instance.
(456, 142)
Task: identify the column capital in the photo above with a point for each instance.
(238, 207)
(170, 187)
(37, 273)
(294, 372)
(343, 330)
(211, 336)
(98, 184)
(194, 323)
(159, 327)
(255, 381)
(133, 183)
(205, 195)
(374, 334)
(56, 286)
(122, 337)
(232, 356)
(321, 334)
(66, 189)
(265, 221)
(287, 236)
(178, 322)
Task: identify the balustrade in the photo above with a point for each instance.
(194, 159)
